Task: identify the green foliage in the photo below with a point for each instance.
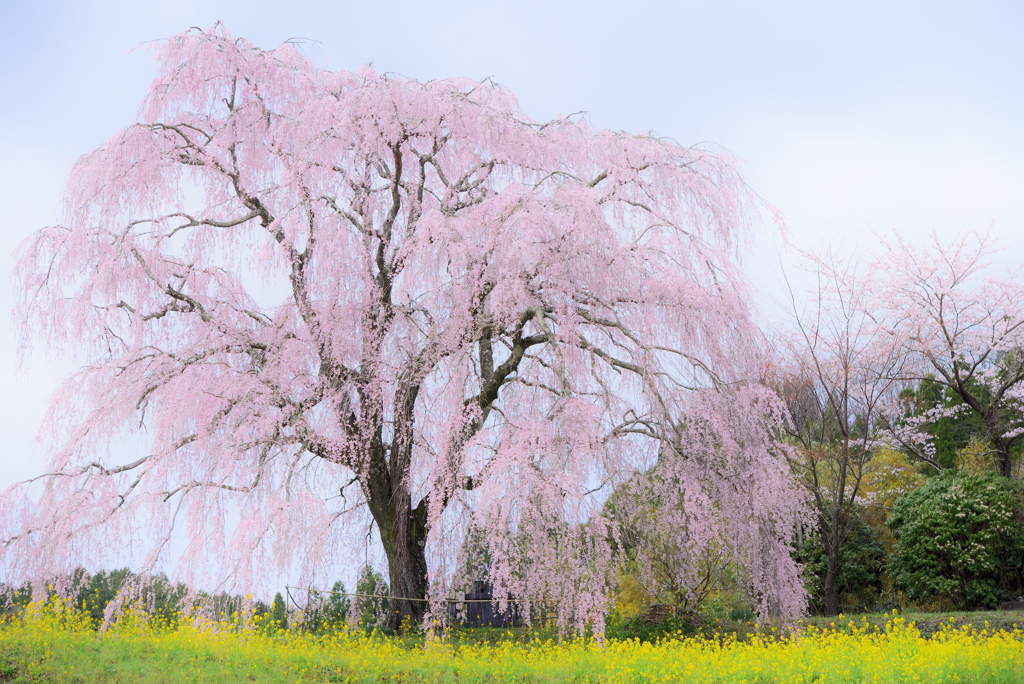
(660, 564)
(278, 613)
(861, 562)
(326, 612)
(14, 599)
(621, 628)
(338, 605)
(954, 434)
(950, 434)
(372, 613)
(738, 614)
(157, 596)
(261, 611)
(163, 598)
(959, 539)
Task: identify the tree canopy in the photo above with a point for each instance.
(962, 332)
(332, 301)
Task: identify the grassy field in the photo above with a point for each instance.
(51, 645)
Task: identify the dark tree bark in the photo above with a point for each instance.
(832, 536)
(404, 537)
(841, 372)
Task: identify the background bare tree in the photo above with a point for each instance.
(837, 373)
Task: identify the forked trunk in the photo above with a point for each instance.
(403, 534)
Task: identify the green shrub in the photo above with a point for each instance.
(620, 628)
(372, 613)
(326, 611)
(738, 614)
(338, 605)
(861, 562)
(959, 540)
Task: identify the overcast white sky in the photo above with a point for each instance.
(851, 117)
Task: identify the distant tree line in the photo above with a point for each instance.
(164, 602)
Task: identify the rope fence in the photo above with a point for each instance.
(475, 615)
(380, 596)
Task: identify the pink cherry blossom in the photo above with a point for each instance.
(961, 325)
(331, 302)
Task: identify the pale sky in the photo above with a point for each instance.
(850, 117)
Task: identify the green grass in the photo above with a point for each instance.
(930, 623)
(54, 645)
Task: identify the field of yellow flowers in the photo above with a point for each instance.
(53, 644)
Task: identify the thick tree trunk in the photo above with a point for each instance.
(403, 534)
(407, 569)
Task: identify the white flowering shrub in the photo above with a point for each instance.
(960, 538)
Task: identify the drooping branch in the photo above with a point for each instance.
(398, 284)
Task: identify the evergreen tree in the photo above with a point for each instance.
(371, 604)
(278, 613)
